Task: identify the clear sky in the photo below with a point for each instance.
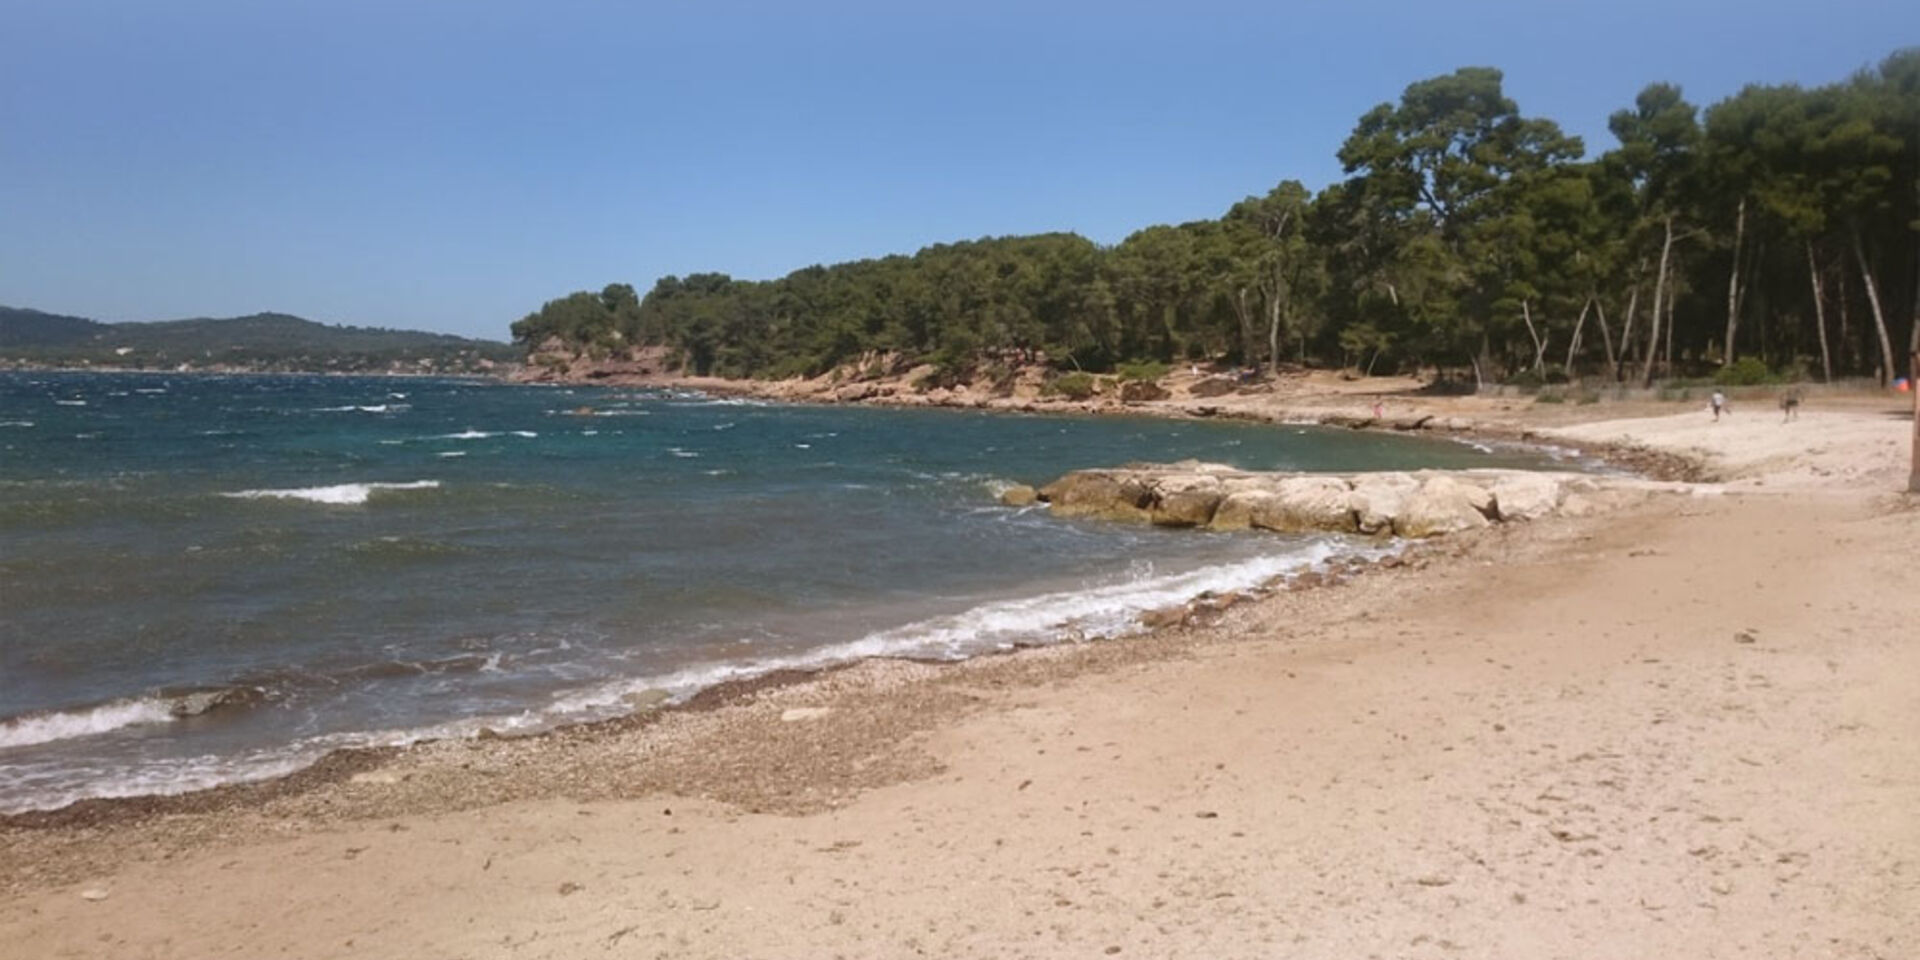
(450, 164)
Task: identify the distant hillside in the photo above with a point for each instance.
(263, 341)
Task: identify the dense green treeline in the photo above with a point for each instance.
(1776, 231)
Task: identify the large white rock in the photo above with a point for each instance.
(1526, 496)
(1379, 498)
(1444, 504)
(1309, 503)
(1238, 508)
(1186, 500)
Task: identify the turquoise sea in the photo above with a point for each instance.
(209, 578)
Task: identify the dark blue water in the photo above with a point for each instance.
(206, 578)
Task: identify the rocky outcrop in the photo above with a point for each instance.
(1444, 504)
(1409, 504)
(1019, 495)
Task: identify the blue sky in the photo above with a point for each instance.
(451, 165)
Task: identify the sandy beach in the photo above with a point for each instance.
(1682, 728)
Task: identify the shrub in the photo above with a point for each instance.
(1073, 386)
(1550, 396)
(1146, 370)
(1744, 372)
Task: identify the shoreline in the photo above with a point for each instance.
(338, 764)
(331, 766)
(334, 764)
(858, 754)
(1197, 620)
(736, 824)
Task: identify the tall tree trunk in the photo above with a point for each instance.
(1847, 353)
(1244, 313)
(1873, 300)
(1626, 337)
(1659, 297)
(1819, 316)
(1539, 345)
(1673, 296)
(1733, 284)
(1573, 346)
(1606, 336)
(1273, 324)
(1913, 386)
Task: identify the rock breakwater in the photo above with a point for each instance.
(1408, 504)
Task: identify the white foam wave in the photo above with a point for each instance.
(343, 494)
(528, 434)
(1103, 612)
(71, 403)
(49, 727)
(1110, 610)
(16, 423)
(450, 454)
(370, 408)
(465, 435)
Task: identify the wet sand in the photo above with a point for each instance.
(1684, 728)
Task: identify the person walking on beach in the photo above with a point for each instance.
(1719, 403)
(1790, 405)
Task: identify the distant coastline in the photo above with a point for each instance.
(258, 343)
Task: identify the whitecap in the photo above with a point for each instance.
(528, 434)
(16, 423)
(71, 403)
(468, 434)
(1103, 612)
(449, 454)
(67, 725)
(343, 494)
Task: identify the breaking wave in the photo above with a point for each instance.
(55, 725)
(344, 494)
